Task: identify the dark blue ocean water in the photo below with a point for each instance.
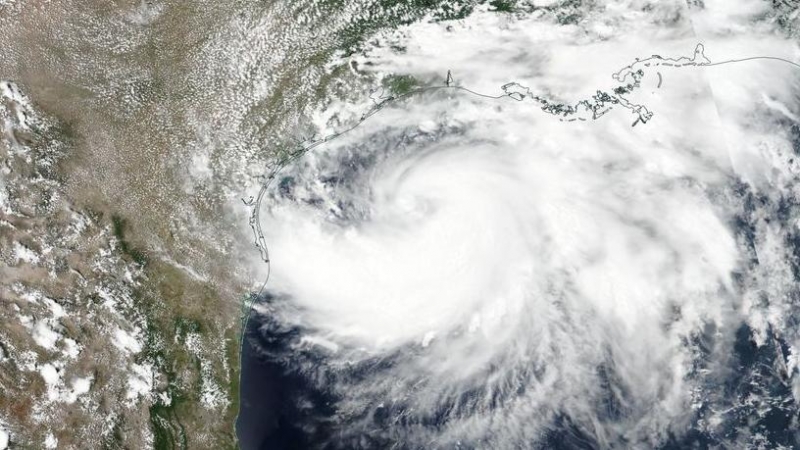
(270, 416)
(282, 410)
(749, 390)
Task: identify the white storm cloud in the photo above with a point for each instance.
(513, 268)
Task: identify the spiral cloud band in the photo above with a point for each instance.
(462, 272)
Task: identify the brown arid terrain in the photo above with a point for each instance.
(120, 277)
(130, 132)
(119, 323)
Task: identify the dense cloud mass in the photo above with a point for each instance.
(465, 272)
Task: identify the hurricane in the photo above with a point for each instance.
(469, 268)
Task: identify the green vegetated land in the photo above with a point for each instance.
(171, 422)
(131, 132)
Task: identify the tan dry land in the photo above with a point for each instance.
(121, 242)
(130, 131)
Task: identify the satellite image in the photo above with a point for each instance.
(409, 225)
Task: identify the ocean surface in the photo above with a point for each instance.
(282, 410)
(265, 400)
(274, 404)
